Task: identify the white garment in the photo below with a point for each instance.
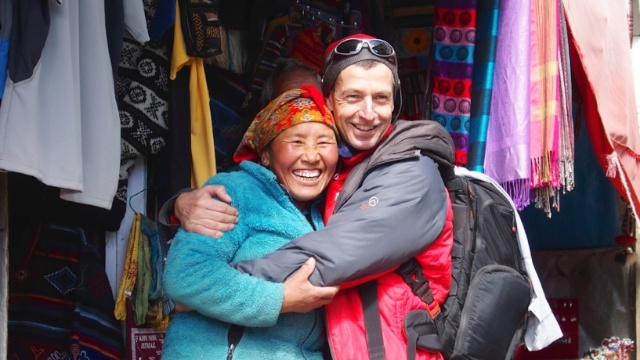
(135, 21)
(543, 327)
(62, 124)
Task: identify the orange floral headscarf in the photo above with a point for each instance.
(293, 107)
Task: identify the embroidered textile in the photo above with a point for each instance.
(60, 300)
(454, 41)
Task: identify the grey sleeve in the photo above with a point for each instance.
(396, 213)
(166, 210)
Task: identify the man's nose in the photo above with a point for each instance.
(367, 109)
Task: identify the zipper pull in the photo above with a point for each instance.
(232, 347)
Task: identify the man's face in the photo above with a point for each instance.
(362, 104)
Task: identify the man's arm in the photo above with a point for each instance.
(205, 211)
(396, 213)
(198, 276)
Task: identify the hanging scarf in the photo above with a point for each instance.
(453, 46)
(481, 89)
(507, 156)
(159, 305)
(566, 149)
(143, 277)
(130, 270)
(545, 103)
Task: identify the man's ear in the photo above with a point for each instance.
(329, 101)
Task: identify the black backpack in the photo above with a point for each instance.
(485, 313)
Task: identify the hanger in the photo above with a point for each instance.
(134, 195)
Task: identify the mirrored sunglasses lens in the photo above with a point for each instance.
(349, 47)
(381, 48)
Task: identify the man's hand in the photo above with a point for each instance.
(300, 296)
(199, 212)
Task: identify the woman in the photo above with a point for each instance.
(294, 139)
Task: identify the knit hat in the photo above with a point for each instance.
(335, 63)
(293, 107)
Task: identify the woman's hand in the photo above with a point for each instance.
(300, 295)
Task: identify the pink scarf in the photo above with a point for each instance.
(546, 104)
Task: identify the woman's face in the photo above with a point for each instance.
(304, 159)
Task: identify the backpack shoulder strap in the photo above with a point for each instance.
(411, 273)
(372, 324)
(422, 328)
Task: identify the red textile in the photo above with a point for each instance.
(601, 64)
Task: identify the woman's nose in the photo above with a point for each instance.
(311, 153)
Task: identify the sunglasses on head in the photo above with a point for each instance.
(377, 47)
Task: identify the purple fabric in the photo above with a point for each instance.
(507, 149)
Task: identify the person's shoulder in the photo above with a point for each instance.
(238, 178)
(423, 125)
(249, 179)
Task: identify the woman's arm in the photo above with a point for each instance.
(198, 275)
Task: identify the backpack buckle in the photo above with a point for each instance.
(426, 295)
(412, 274)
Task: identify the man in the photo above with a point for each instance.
(387, 204)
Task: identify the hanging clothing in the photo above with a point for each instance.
(203, 160)
(60, 296)
(59, 119)
(601, 58)
(484, 56)
(6, 15)
(134, 21)
(507, 152)
(454, 42)
(545, 103)
(143, 99)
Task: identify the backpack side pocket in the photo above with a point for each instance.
(494, 314)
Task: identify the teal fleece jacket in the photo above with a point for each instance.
(198, 274)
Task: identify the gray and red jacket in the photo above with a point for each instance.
(392, 207)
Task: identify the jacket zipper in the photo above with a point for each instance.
(232, 347)
(233, 337)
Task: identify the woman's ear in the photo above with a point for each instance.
(264, 158)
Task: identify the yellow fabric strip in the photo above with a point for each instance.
(203, 161)
(130, 270)
(203, 157)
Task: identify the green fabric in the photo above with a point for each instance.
(143, 282)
